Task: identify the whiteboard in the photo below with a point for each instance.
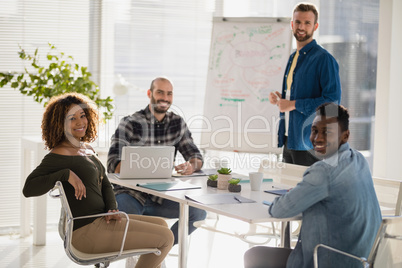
(247, 61)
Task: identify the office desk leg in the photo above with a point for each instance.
(183, 235)
(285, 234)
(39, 234)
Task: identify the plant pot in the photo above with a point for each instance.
(212, 183)
(235, 188)
(223, 181)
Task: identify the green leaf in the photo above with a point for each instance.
(3, 82)
(234, 181)
(57, 77)
(22, 54)
(213, 177)
(224, 171)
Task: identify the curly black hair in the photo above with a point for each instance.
(54, 117)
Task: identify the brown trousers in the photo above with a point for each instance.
(143, 232)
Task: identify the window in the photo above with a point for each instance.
(349, 31)
(32, 24)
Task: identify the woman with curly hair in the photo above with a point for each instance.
(69, 123)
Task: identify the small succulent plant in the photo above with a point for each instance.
(213, 177)
(234, 181)
(225, 171)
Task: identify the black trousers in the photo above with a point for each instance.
(266, 257)
(304, 158)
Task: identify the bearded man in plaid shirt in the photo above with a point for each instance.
(155, 126)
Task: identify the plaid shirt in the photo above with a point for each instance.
(142, 129)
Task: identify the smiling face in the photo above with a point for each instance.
(303, 26)
(161, 96)
(76, 123)
(327, 136)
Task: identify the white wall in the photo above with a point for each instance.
(388, 123)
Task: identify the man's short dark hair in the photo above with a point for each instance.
(334, 110)
(304, 7)
(160, 78)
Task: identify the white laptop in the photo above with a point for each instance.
(147, 162)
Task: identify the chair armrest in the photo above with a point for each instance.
(108, 214)
(52, 194)
(70, 218)
(362, 260)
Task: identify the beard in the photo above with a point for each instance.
(302, 38)
(156, 108)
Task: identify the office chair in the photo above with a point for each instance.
(66, 232)
(385, 252)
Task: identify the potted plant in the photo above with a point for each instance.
(59, 75)
(234, 185)
(224, 175)
(212, 180)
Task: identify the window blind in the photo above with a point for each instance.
(160, 38)
(32, 24)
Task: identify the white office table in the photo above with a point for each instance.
(248, 212)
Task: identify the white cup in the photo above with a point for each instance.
(255, 180)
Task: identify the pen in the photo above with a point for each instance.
(266, 203)
(237, 199)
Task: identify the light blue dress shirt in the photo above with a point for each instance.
(339, 207)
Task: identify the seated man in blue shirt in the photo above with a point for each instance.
(336, 198)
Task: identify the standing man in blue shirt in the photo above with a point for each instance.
(336, 197)
(311, 79)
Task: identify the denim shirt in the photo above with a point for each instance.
(315, 81)
(339, 208)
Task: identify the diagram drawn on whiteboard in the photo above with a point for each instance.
(247, 61)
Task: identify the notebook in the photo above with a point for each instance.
(202, 172)
(169, 186)
(147, 162)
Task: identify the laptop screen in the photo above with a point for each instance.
(143, 162)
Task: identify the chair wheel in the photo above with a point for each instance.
(103, 264)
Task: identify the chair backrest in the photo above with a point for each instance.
(389, 194)
(281, 172)
(385, 252)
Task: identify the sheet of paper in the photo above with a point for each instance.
(216, 199)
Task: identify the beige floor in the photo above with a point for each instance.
(17, 252)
